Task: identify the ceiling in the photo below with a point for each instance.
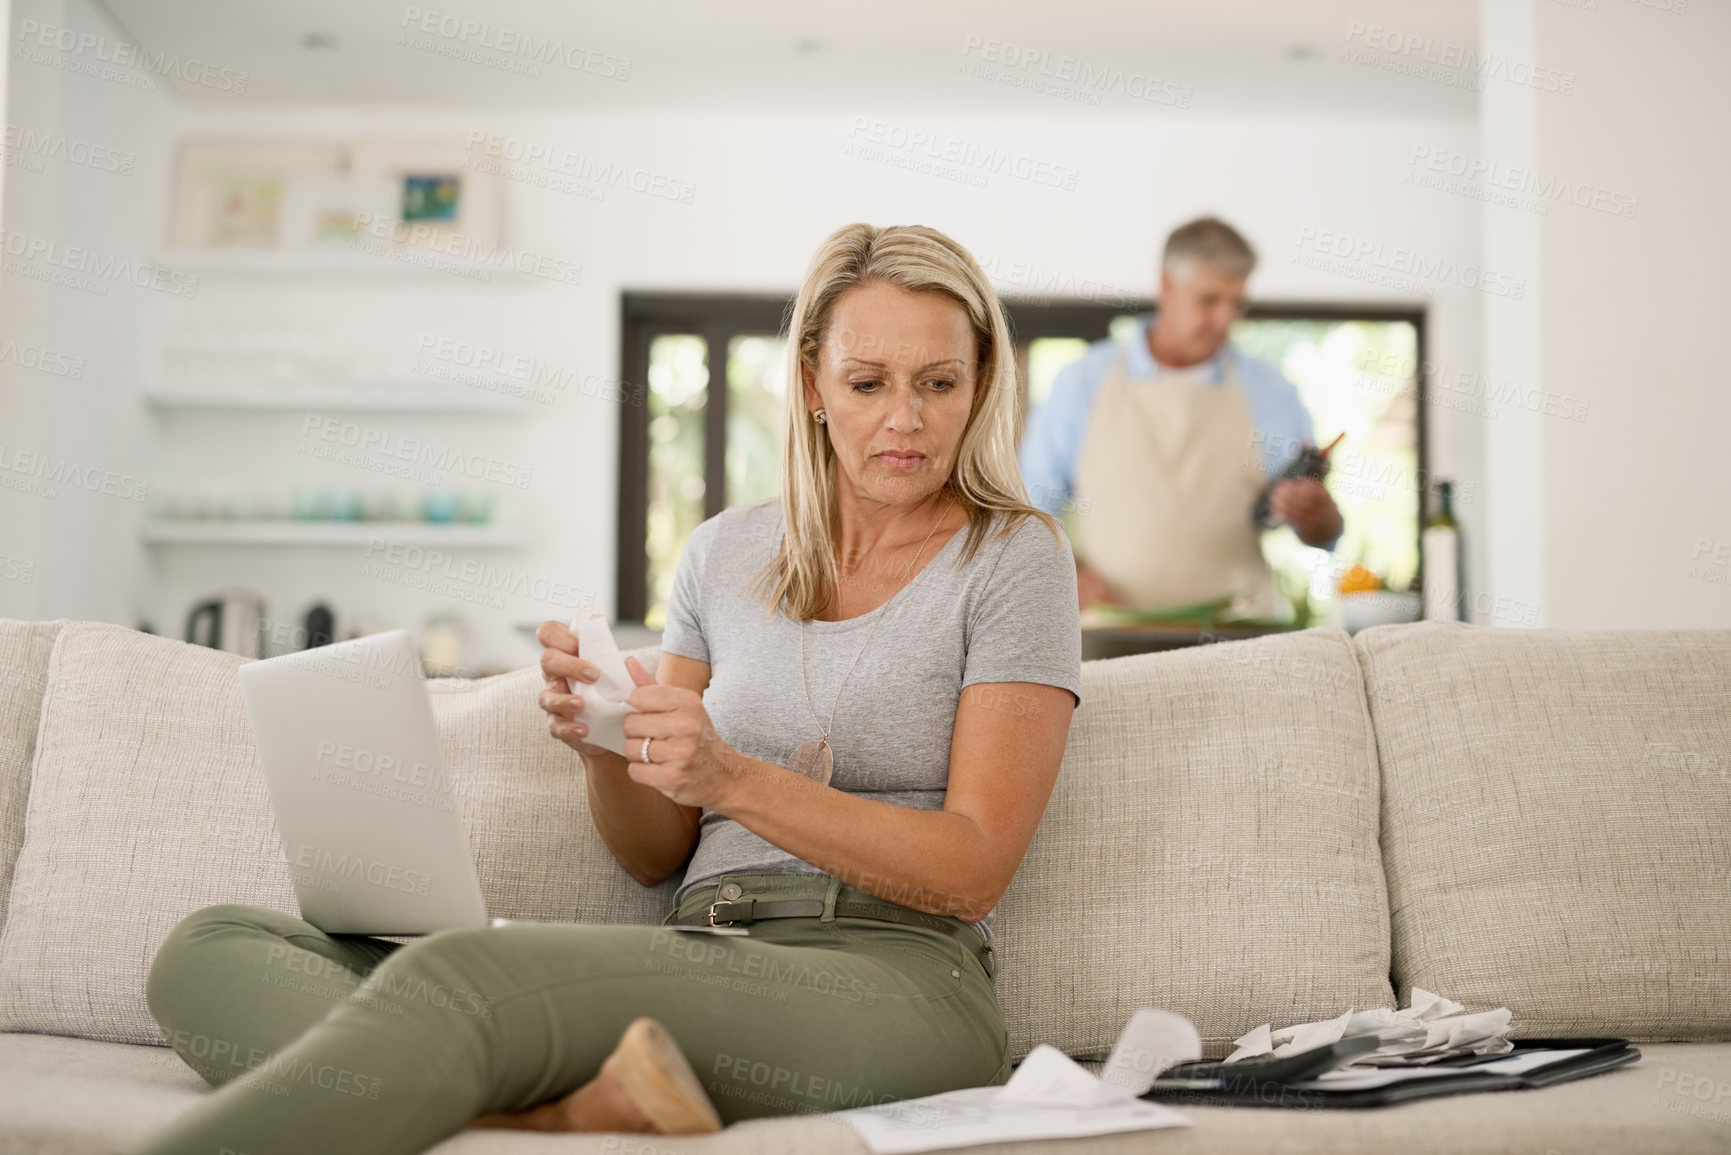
(1217, 56)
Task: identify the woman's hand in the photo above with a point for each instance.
(689, 762)
(647, 833)
(567, 674)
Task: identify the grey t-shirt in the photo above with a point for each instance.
(1009, 616)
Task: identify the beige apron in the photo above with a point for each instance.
(1169, 474)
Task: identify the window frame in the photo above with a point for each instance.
(716, 318)
(719, 317)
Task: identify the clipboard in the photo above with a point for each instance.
(1294, 1081)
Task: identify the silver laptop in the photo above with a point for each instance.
(370, 824)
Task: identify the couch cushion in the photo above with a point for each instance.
(147, 803)
(1557, 823)
(24, 650)
(1211, 848)
(76, 1097)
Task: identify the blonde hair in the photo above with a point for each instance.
(987, 482)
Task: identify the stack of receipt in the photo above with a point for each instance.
(1431, 1029)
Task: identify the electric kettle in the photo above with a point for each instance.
(233, 621)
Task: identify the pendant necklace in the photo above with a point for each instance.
(814, 759)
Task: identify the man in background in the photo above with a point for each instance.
(1168, 440)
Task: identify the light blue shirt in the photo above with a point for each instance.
(1053, 438)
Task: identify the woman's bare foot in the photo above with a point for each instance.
(602, 1104)
(645, 1085)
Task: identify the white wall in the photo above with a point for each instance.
(1638, 499)
(1511, 580)
(769, 186)
(1619, 520)
(80, 545)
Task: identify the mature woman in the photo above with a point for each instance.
(862, 701)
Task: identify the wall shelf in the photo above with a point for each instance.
(385, 262)
(187, 531)
(373, 399)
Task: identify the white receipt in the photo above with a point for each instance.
(1151, 1042)
(604, 706)
(1050, 1096)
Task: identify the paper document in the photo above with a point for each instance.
(1050, 1096)
(964, 1118)
(1526, 1061)
(1366, 1078)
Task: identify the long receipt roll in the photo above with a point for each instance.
(604, 705)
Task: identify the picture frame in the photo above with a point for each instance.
(230, 194)
(327, 212)
(438, 194)
(289, 196)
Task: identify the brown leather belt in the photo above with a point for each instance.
(746, 911)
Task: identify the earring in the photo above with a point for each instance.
(820, 417)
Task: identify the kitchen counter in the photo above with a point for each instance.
(1117, 641)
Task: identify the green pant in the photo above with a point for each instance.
(345, 1043)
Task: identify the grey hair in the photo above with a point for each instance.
(1208, 241)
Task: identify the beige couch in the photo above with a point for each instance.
(1249, 832)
